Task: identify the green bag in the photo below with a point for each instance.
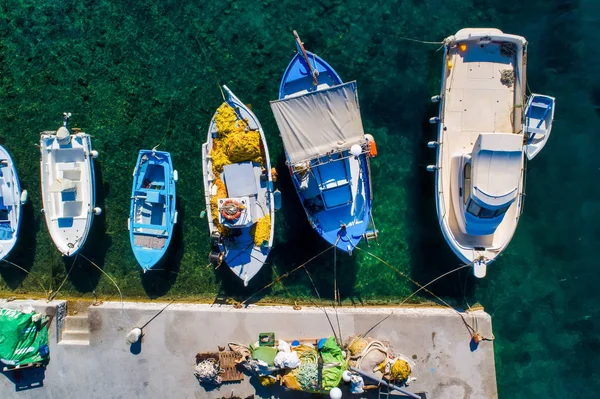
(23, 338)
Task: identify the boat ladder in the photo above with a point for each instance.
(371, 235)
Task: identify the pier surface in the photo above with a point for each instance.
(98, 363)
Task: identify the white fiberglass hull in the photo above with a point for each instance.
(67, 177)
(11, 202)
(476, 100)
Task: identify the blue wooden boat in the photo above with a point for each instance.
(152, 214)
(11, 202)
(327, 151)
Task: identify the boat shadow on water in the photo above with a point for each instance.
(23, 254)
(295, 242)
(84, 276)
(158, 280)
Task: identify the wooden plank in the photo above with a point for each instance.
(227, 363)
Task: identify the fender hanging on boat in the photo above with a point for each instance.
(372, 145)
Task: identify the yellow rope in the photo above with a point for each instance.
(284, 275)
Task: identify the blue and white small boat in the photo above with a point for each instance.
(152, 214)
(11, 201)
(537, 123)
(327, 151)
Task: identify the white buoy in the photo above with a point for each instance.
(23, 197)
(335, 393)
(97, 211)
(134, 336)
(346, 376)
(175, 175)
(62, 133)
(432, 168)
(356, 150)
(435, 119)
(94, 154)
(433, 144)
(175, 217)
(436, 99)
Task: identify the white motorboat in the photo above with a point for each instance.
(480, 145)
(68, 192)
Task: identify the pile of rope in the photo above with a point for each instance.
(507, 77)
(376, 357)
(207, 371)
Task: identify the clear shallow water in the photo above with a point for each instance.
(135, 74)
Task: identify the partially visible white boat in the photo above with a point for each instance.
(480, 145)
(537, 123)
(68, 192)
(11, 201)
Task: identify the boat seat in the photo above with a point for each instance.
(154, 197)
(240, 180)
(72, 174)
(71, 209)
(338, 196)
(533, 130)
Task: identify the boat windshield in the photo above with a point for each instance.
(484, 213)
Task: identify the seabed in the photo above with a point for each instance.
(90, 357)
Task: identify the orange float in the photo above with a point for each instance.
(231, 210)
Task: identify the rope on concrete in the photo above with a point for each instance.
(115, 284)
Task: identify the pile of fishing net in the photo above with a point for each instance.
(261, 231)
(300, 367)
(234, 142)
(377, 358)
(214, 205)
(207, 371)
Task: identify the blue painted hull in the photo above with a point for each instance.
(354, 216)
(152, 213)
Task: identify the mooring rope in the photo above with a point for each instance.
(115, 284)
(38, 280)
(52, 295)
(283, 276)
(424, 287)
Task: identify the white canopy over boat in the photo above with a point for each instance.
(316, 123)
(497, 163)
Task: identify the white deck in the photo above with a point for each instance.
(67, 190)
(10, 197)
(475, 101)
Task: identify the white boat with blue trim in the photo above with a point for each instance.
(12, 200)
(68, 192)
(537, 123)
(238, 188)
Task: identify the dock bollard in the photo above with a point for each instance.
(134, 336)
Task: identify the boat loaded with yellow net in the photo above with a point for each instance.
(238, 186)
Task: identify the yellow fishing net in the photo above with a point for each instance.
(261, 231)
(400, 370)
(214, 206)
(234, 143)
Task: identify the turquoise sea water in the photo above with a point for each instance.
(138, 73)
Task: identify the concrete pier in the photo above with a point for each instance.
(98, 363)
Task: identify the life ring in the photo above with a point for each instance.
(372, 145)
(231, 210)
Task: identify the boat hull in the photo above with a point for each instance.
(467, 96)
(152, 212)
(538, 122)
(68, 190)
(238, 250)
(342, 226)
(11, 206)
